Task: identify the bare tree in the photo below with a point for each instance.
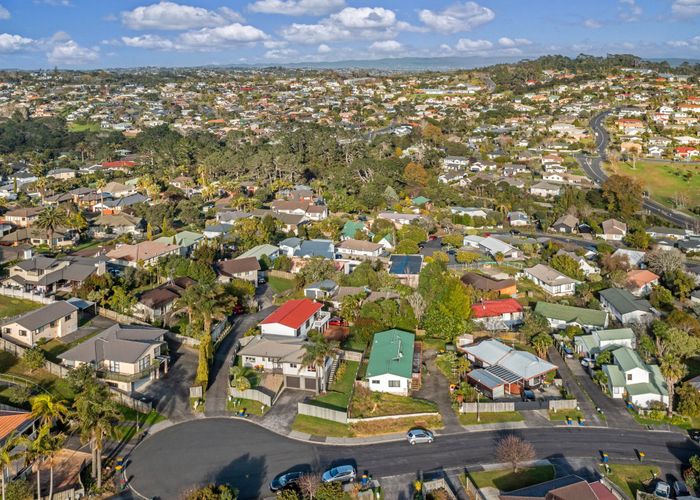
(309, 484)
(665, 261)
(514, 450)
(417, 303)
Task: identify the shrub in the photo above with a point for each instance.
(34, 359)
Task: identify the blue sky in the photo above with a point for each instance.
(127, 33)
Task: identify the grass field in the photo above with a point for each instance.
(563, 414)
(280, 285)
(13, 366)
(321, 427)
(631, 478)
(490, 418)
(10, 306)
(507, 480)
(664, 180)
(338, 397)
(84, 127)
(251, 407)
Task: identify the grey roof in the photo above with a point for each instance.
(38, 262)
(485, 378)
(316, 248)
(122, 343)
(521, 363)
(127, 201)
(623, 301)
(289, 349)
(36, 319)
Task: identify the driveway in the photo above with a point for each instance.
(218, 391)
(436, 388)
(171, 392)
(281, 415)
(571, 385)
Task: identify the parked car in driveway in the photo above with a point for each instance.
(662, 490)
(416, 436)
(335, 321)
(680, 489)
(284, 481)
(341, 473)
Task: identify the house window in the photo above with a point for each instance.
(394, 383)
(113, 366)
(249, 359)
(22, 333)
(375, 382)
(292, 365)
(53, 324)
(144, 362)
(308, 322)
(67, 318)
(629, 377)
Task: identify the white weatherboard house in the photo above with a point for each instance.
(390, 367)
(550, 280)
(55, 320)
(592, 345)
(295, 318)
(632, 379)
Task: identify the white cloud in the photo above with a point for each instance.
(212, 38)
(370, 23)
(14, 43)
(69, 53)
(275, 44)
(629, 11)
(457, 18)
(172, 16)
(323, 49)
(297, 7)
(693, 43)
(280, 54)
(55, 3)
(148, 42)
(4, 13)
(473, 46)
(386, 46)
(592, 24)
(686, 8)
(513, 42)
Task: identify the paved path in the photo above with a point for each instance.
(218, 391)
(281, 416)
(248, 456)
(571, 385)
(436, 388)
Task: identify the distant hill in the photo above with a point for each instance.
(406, 63)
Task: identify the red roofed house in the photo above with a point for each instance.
(123, 165)
(685, 152)
(641, 281)
(501, 314)
(296, 318)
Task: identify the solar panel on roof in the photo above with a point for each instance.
(503, 373)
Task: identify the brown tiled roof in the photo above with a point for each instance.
(237, 266)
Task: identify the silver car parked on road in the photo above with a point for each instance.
(416, 436)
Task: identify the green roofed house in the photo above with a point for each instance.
(421, 201)
(600, 340)
(560, 316)
(351, 228)
(393, 362)
(632, 379)
(271, 251)
(186, 240)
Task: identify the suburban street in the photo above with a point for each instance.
(592, 167)
(249, 456)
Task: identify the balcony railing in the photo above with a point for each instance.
(129, 377)
(323, 318)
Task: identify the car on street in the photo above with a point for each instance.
(262, 280)
(568, 352)
(285, 480)
(336, 322)
(416, 436)
(341, 473)
(680, 489)
(586, 362)
(694, 435)
(662, 490)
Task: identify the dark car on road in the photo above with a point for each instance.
(286, 480)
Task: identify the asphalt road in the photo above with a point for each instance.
(592, 166)
(248, 456)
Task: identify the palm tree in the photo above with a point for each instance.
(100, 184)
(34, 452)
(673, 369)
(47, 409)
(240, 382)
(188, 301)
(542, 342)
(40, 185)
(7, 456)
(96, 415)
(50, 219)
(316, 351)
(50, 445)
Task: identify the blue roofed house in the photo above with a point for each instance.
(406, 268)
(632, 379)
(296, 247)
(217, 231)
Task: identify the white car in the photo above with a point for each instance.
(662, 490)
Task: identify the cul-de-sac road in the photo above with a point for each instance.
(248, 456)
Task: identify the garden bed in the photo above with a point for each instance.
(366, 404)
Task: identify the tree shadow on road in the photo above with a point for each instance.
(247, 474)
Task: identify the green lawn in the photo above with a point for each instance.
(131, 415)
(320, 427)
(354, 343)
(664, 180)
(430, 343)
(490, 418)
(339, 395)
(11, 365)
(377, 404)
(563, 414)
(630, 478)
(677, 420)
(10, 306)
(84, 127)
(251, 407)
(280, 285)
(507, 480)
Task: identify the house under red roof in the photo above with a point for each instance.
(119, 164)
(11, 421)
(493, 308)
(293, 314)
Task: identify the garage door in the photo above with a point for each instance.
(293, 382)
(310, 384)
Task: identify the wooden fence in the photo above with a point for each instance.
(281, 274)
(120, 318)
(18, 350)
(253, 395)
(488, 407)
(471, 489)
(127, 400)
(436, 485)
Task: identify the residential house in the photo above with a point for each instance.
(392, 366)
(352, 229)
(406, 268)
(634, 380)
(518, 219)
(613, 230)
(61, 174)
(265, 250)
(640, 282)
(565, 224)
(454, 163)
(550, 280)
(560, 316)
(51, 321)
(399, 219)
(672, 233)
(295, 318)
(46, 275)
(482, 283)
(284, 356)
(188, 241)
(359, 249)
(493, 247)
(634, 258)
(242, 268)
(22, 217)
(115, 225)
(155, 304)
(569, 487)
(127, 357)
(296, 247)
(625, 307)
(215, 231)
(117, 190)
(586, 267)
(600, 340)
(503, 314)
(146, 252)
(500, 369)
(321, 290)
(545, 189)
